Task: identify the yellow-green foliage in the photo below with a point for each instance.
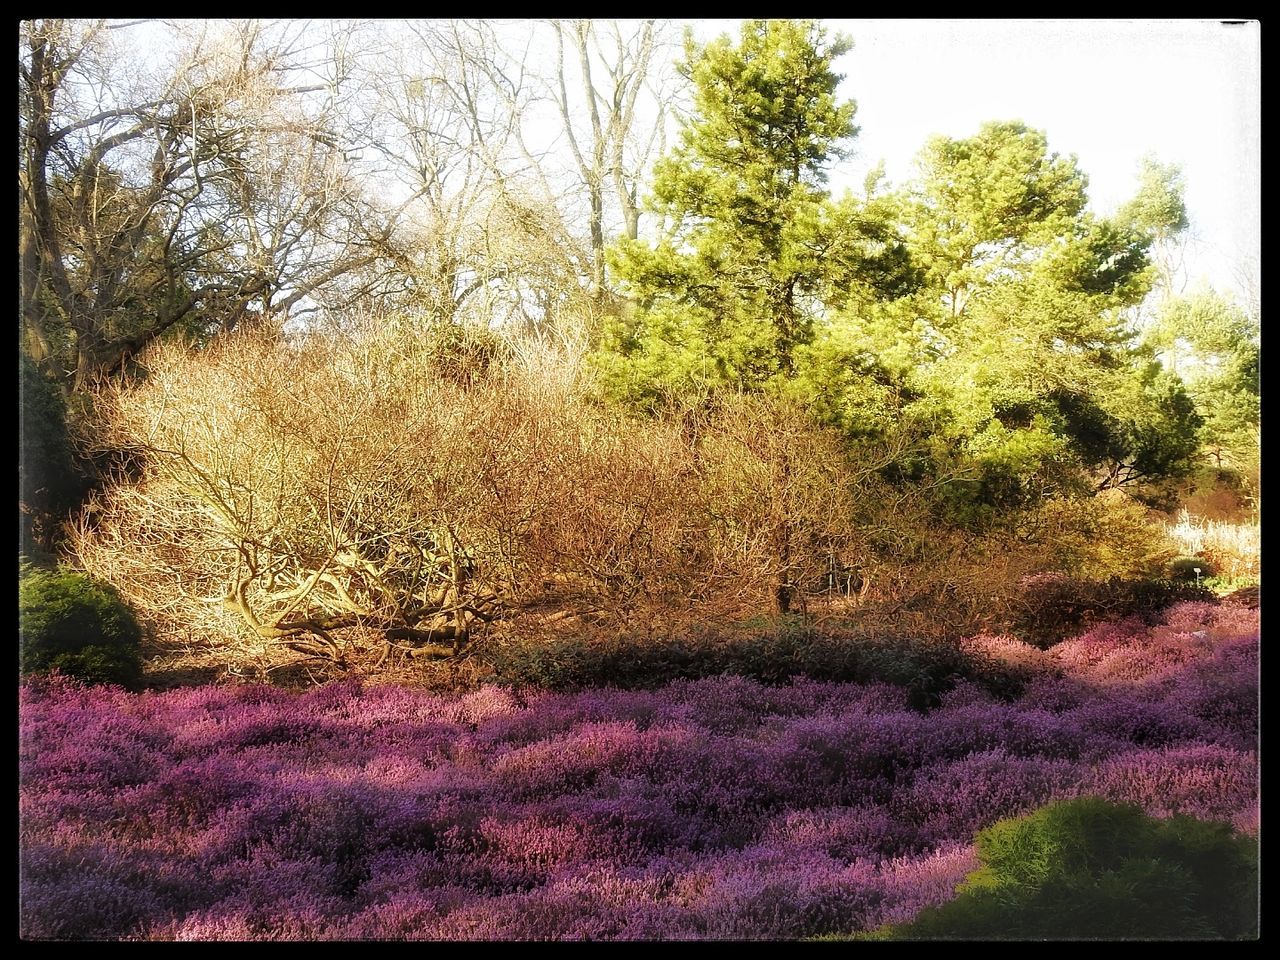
(80, 628)
(1104, 536)
(1090, 869)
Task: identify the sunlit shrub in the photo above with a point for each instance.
(1097, 538)
(1090, 869)
(296, 498)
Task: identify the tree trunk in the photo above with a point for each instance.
(784, 589)
(782, 593)
(462, 627)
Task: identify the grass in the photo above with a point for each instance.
(1235, 549)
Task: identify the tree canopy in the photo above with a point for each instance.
(982, 308)
(734, 286)
(1025, 353)
(1213, 345)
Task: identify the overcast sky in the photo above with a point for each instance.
(1109, 91)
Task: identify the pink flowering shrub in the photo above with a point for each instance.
(1007, 651)
(1202, 780)
(713, 808)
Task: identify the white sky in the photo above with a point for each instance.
(1109, 91)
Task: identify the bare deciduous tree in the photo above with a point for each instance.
(185, 190)
(602, 68)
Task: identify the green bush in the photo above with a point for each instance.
(1051, 607)
(774, 653)
(81, 628)
(1184, 568)
(49, 479)
(1091, 869)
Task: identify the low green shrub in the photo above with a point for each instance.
(1090, 869)
(50, 481)
(81, 628)
(1192, 569)
(773, 654)
(1052, 607)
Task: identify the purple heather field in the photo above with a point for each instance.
(717, 808)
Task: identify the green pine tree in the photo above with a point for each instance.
(736, 283)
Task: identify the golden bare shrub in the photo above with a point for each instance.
(780, 496)
(300, 498)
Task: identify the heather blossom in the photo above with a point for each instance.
(713, 808)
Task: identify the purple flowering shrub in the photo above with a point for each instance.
(711, 808)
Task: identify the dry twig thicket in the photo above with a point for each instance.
(305, 498)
